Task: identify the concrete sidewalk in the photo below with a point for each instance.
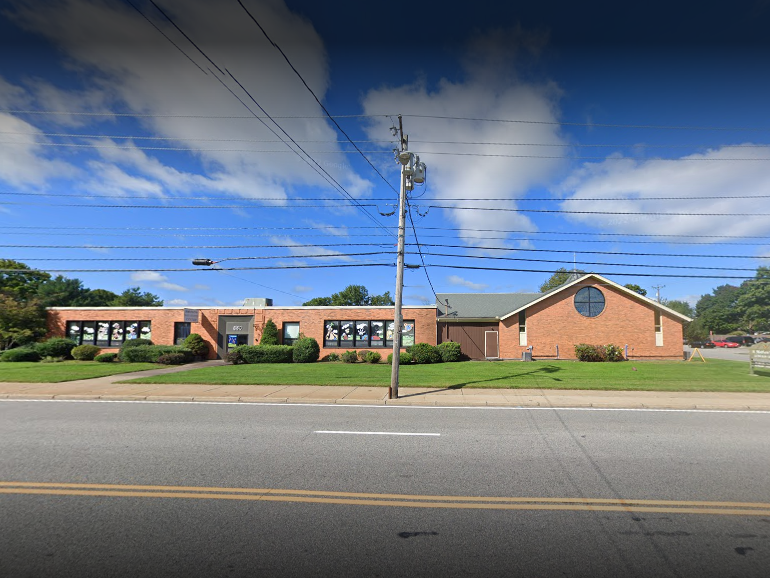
(106, 388)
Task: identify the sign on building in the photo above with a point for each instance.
(191, 315)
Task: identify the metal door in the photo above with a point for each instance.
(491, 345)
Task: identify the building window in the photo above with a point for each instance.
(658, 330)
(107, 333)
(290, 332)
(331, 334)
(522, 328)
(360, 334)
(589, 302)
(347, 330)
(181, 331)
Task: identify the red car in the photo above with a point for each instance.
(722, 343)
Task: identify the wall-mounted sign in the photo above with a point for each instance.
(191, 315)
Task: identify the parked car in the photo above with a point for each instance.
(741, 339)
(708, 344)
(727, 344)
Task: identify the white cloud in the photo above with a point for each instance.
(155, 278)
(302, 289)
(177, 302)
(129, 66)
(456, 280)
(296, 248)
(491, 89)
(706, 175)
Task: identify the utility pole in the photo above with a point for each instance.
(412, 171)
(657, 291)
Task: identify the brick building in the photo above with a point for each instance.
(586, 309)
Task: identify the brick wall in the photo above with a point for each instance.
(624, 321)
(311, 321)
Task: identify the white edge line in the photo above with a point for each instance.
(391, 406)
(377, 433)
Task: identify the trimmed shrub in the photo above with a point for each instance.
(449, 351)
(106, 357)
(20, 354)
(55, 347)
(266, 353)
(424, 353)
(234, 357)
(372, 357)
(151, 353)
(332, 357)
(403, 358)
(598, 353)
(349, 357)
(362, 354)
(195, 343)
(175, 358)
(130, 344)
(50, 359)
(85, 352)
(269, 334)
(306, 350)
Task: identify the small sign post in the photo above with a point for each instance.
(759, 357)
(692, 355)
(191, 315)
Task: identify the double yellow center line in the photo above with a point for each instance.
(397, 500)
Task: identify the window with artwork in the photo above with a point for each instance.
(107, 333)
(589, 302)
(361, 338)
(377, 334)
(331, 334)
(407, 334)
(347, 330)
(290, 332)
(362, 333)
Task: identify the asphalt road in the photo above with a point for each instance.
(146, 489)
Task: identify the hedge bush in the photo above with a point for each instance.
(266, 353)
(234, 356)
(85, 352)
(106, 357)
(55, 347)
(130, 344)
(362, 354)
(424, 353)
(269, 334)
(403, 358)
(151, 353)
(449, 351)
(372, 357)
(598, 353)
(195, 343)
(332, 357)
(306, 350)
(20, 354)
(174, 358)
(349, 357)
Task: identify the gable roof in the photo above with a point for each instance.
(603, 281)
(490, 306)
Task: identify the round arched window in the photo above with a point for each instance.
(589, 301)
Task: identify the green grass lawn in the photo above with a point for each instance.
(715, 375)
(36, 372)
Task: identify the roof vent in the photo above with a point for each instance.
(257, 302)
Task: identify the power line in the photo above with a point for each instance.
(588, 124)
(330, 256)
(286, 58)
(612, 274)
(365, 227)
(386, 199)
(375, 141)
(347, 244)
(207, 116)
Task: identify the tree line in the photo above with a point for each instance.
(25, 293)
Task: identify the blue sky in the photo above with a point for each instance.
(589, 109)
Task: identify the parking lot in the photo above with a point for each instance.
(736, 354)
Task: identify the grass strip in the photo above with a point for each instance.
(36, 372)
(715, 375)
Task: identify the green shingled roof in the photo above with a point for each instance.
(481, 305)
